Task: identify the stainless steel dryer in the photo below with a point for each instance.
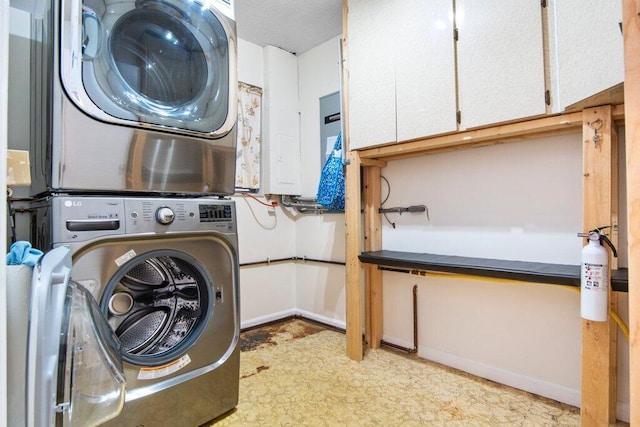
(165, 275)
(135, 96)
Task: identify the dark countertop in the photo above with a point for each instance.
(557, 274)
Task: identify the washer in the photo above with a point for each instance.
(134, 96)
(164, 272)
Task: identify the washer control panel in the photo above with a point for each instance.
(145, 215)
(83, 218)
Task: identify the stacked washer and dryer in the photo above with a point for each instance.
(133, 154)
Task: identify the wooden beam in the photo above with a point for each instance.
(352, 217)
(344, 77)
(354, 306)
(373, 162)
(598, 352)
(498, 134)
(372, 242)
(631, 36)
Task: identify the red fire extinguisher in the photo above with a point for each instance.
(594, 276)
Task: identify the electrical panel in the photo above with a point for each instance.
(330, 124)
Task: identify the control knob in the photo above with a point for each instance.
(165, 215)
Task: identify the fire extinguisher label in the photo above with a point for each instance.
(594, 277)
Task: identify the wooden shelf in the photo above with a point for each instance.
(524, 271)
(498, 134)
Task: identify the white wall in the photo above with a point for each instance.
(267, 292)
(517, 201)
(250, 64)
(270, 292)
(321, 287)
(318, 75)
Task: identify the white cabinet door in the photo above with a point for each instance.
(401, 70)
(425, 69)
(586, 49)
(500, 60)
(370, 55)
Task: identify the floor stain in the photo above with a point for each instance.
(269, 335)
(258, 370)
(251, 340)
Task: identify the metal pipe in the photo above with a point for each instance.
(413, 350)
(304, 204)
(265, 262)
(294, 259)
(415, 320)
(304, 258)
(295, 203)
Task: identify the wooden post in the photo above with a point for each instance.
(598, 338)
(353, 235)
(372, 242)
(631, 35)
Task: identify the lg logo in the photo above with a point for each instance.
(72, 203)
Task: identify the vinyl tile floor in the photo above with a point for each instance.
(296, 373)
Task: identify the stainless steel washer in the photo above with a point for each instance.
(165, 274)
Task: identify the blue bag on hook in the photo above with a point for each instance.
(331, 187)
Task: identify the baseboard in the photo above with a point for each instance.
(512, 379)
(285, 314)
(338, 324)
(262, 320)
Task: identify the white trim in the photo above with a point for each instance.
(512, 379)
(261, 320)
(340, 324)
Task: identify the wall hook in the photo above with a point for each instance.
(596, 125)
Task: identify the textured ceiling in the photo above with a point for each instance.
(293, 25)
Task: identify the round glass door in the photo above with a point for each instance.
(158, 58)
(163, 62)
(158, 304)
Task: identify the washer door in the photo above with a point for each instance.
(74, 373)
(165, 63)
(158, 304)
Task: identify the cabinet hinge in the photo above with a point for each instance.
(547, 97)
(455, 34)
(459, 116)
(543, 3)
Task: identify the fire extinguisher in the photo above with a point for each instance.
(594, 276)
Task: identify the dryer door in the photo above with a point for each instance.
(74, 372)
(165, 63)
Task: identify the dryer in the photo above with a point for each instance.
(164, 272)
(134, 96)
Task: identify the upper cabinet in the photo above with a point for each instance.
(425, 69)
(587, 58)
(372, 117)
(419, 68)
(500, 61)
(401, 70)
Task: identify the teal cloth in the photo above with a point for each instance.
(332, 185)
(21, 252)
